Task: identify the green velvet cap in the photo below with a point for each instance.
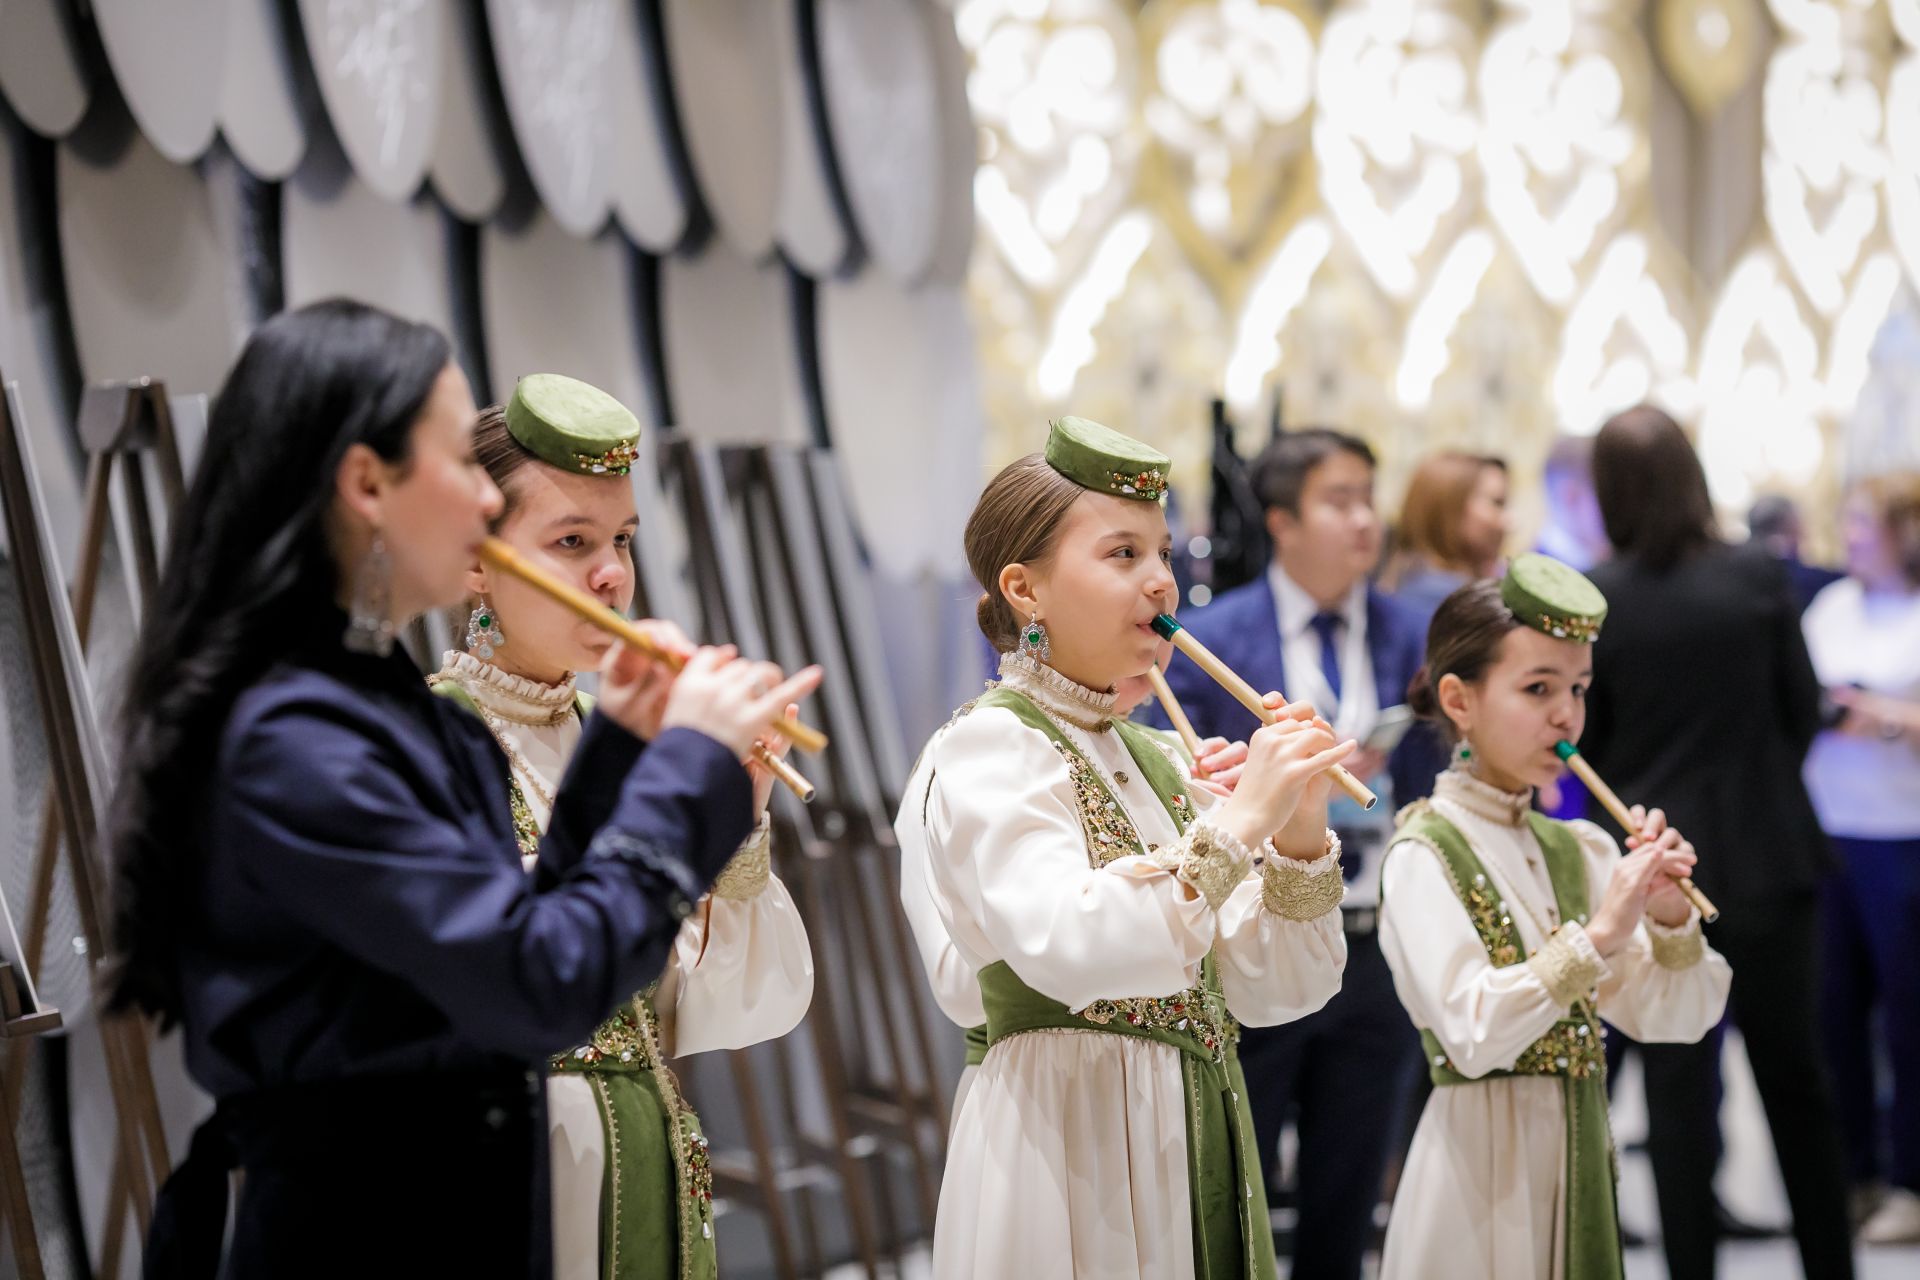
(573, 426)
(1101, 459)
(1553, 598)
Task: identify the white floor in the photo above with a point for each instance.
(1749, 1185)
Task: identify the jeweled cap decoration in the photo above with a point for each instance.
(1101, 459)
(1554, 599)
(573, 425)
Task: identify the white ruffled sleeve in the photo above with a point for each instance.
(955, 983)
(742, 971)
(1282, 950)
(1008, 856)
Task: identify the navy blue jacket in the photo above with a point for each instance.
(1241, 628)
(362, 907)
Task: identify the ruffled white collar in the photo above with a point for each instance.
(1483, 799)
(1055, 694)
(510, 697)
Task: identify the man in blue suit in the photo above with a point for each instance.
(1313, 628)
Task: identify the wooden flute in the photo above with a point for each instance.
(1175, 712)
(504, 558)
(1202, 656)
(1624, 816)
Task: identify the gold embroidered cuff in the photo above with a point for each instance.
(1567, 968)
(1210, 860)
(1296, 890)
(748, 871)
(1679, 947)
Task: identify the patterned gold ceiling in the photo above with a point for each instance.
(1438, 222)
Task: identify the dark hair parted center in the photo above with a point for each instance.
(1463, 640)
(1016, 521)
(1652, 492)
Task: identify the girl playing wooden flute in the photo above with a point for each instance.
(1119, 919)
(955, 986)
(632, 1191)
(1510, 935)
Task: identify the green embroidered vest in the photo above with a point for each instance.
(1232, 1237)
(656, 1203)
(976, 1037)
(1571, 1049)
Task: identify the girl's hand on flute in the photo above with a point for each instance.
(633, 687)
(777, 746)
(1284, 759)
(1218, 766)
(1643, 880)
(1665, 902)
(730, 700)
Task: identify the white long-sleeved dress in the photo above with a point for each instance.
(1484, 1189)
(1069, 1157)
(741, 970)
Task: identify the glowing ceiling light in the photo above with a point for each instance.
(1854, 331)
(1903, 147)
(1006, 221)
(1760, 414)
(1282, 286)
(1454, 285)
(1623, 298)
(1070, 344)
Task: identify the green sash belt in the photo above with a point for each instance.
(1231, 1234)
(976, 1045)
(656, 1199)
(1232, 1237)
(656, 1203)
(1571, 1049)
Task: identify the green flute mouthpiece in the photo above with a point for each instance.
(1564, 750)
(1165, 626)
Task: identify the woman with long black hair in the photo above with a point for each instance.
(316, 872)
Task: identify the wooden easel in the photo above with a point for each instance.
(787, 523)
(120, 426)
(754, 1179)
(766, 576)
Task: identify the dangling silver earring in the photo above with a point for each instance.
(370, 619)
(1034, 642)
(1462, 754)
(483, 632)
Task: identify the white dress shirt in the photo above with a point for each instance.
(1352, 715)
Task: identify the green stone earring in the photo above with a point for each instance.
(1034, 642)
(483, 632)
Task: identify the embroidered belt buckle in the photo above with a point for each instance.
(1194, 1012)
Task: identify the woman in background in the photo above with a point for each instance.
(1864, 774)
(1452, 528)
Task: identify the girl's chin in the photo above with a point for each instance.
(1542, 777)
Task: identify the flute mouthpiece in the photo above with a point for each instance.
(1565, 750)
(1164, 626)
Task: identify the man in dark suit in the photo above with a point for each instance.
(1314, 629)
